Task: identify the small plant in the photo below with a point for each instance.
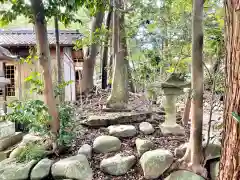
(66, 133)
(31, 151)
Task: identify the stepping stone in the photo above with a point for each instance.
(75, 167)
(86, 150)
(117, 165)
(105, 144)
(146, 128)
(143, 146)
(122, 130)
(116, 118)
(155, 163)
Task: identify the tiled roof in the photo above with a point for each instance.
(28, 38)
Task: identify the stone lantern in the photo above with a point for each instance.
(172, 88)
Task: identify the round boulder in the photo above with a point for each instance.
(86, 150)
(105, 144)
(42, 169)
(146, 128)
(122, 130)
(155, 162)
(143, 146)
(117, 165)
(183, 175)
(75, 167)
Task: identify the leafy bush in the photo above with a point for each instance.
(34, 114)
(30, 152)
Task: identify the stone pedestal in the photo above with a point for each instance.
(170, 126)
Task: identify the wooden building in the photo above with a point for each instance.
(19, 42)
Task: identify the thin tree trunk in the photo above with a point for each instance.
(197, 84)
(105, 52)
(58, 56)
(187, 109)
(44, 57)
(194, 153)
(119, 94)
(230, 159)
(89, 62)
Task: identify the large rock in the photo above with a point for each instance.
(116, 118)
(117, 165)
(155, 162)
(42, 169)
(10, 140)
(183, 175)
(143, 146)
(122, 130)
(86, 150)
(146, 128)
(214, 170)
(212, 151)
(75, 167)
(104, 144)
(10, 169)
(30, 138)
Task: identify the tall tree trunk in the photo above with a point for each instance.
(89, 61)
(44, 57)
(230, 160)
(58, 56)
(119, 94)
(105, 51)
(197, 84)
(194, 153)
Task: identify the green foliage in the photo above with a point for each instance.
(31, 151)
(97, 37)
(32, 113)
(66, 134)
(65, 10)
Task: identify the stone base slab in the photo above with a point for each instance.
(7, 128)
(172, 129)
(11, 140)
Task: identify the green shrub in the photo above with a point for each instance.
(34, 114)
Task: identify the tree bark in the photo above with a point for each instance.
(89, 61)
(58, 56)
(187, 109)
(197, 84)
(105, 51)
(119, 94)
(194, 153)
(44, 57)
(230, 159)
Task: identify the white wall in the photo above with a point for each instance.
(69, 74)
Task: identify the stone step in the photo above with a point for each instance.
(116, 118)
(8, 144)
(11, 140)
